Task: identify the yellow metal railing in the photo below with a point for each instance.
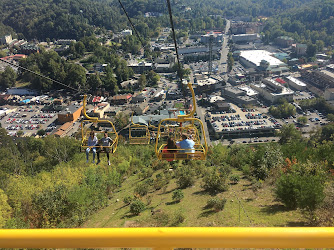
(169, 238)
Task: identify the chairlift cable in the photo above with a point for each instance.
(133, 27)
(40, 75)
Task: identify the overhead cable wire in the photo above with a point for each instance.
(180, 73)
(40, 75)
(133, 27)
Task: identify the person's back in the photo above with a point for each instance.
(187, 145)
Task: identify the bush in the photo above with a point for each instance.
(142, 189)
(216, 203)
(235, 178)
(215, 182)
(246, 170)
(137, 207)
(161, 181)
(300, 191)
(177, 195)
(185, 177)
(161, 218)
(179, 218)
(128, 199)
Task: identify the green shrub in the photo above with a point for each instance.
(177, 195)
(300, 191)
(179, 218)
(137, 207)
(215, 182)
(185, 177)
(161, 218)
(128, 199)
(216, 203)
(142, 189)
(235, 178)
(246, 170)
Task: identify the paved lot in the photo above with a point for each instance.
(241, 119)
(28, 119)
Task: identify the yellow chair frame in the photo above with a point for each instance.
(200, 150)
(96, 120)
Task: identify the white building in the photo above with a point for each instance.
(296, 84)
(272, 91)
(253, 58)
(126, 32)
(7, 39)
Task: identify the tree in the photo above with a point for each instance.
(177, 195)
(289, 133)
(302, 120)
(7, 78)
(5, 209)
(142, 81)
(41, 132)
(311, 50)
(230, 62)
(94, 81)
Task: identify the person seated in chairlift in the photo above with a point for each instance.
(104, 145)
(92, 141)
(187, 145)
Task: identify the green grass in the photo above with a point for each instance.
(243, 208)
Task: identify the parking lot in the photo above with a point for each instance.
(29, 120)
(241, 119)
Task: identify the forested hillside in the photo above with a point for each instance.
(46, 182)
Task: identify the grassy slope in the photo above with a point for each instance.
(261, 208)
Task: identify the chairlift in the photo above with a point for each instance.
(99, 127)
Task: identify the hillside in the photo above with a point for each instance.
(46, 183)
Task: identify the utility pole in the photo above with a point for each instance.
(210, 54)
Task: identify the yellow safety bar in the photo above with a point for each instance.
(169, 238)
(97, 120)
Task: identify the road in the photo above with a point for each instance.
(222, 67)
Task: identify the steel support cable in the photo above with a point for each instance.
(133, 27)
(40, 75)
(180, 73)
(250, 221)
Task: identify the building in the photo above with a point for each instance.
(295, 83)
(262, 60)
(7, 39)
(300, 49)
(64, 129)
(284, 41)
(320, 79)
(206, 85)
(138, 98)
(28, 49)
(140, 108)
(329, 94)
(215, 37)
(65, 41)
(100, 109)
(272, 91)
(21, 91)
(140, 67)
(246, 27)
(126, 32)
(70, 114)
(221, 106)
(121, 99)
(244, 38)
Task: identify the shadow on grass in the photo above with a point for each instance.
(206, 213)
(172, 203)
(167, 192)
(297, 224)
(201, 192)
(122, 206)
(128, 216)
(249, 199)
(273, 209)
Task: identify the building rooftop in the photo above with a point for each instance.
(256, 56)
(296, 81)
